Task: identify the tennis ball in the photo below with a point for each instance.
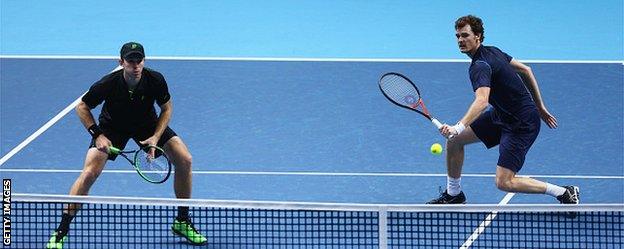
(436, 149)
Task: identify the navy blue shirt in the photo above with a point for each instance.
(127, 110)
(509, 96)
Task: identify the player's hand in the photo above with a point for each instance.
(153, 140)
(451, 131)
(447, 130)
(102, 143)
(548, 118)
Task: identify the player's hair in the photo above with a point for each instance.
(475, 24)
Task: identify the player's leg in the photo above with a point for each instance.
(454, 163)
(180, 156)
(455, 151)
(94, 163)
(482, 129)
(514, 145)
(507, 180)
(178, 153)
(93, 166)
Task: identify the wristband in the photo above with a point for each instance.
(95, 131)
(459, 127)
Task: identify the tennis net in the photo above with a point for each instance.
(122, 222)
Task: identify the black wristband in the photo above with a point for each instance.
(95, 131)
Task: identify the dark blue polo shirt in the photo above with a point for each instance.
(508, 95)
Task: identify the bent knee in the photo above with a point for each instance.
(183, 162)
(187, 160)
(453, 144)
(504, 184)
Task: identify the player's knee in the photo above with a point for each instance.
(184, 162)
(504, 184)
(187, 160)
(453, 145)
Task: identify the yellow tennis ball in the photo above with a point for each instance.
(436, 149)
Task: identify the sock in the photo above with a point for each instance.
(63, 228)
(453, 185)
(183, 213)
(554, 190)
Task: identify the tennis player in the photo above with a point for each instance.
(128, 112)
(513, 123)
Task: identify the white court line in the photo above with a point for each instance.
(484, 224)
(309, 173)
(295, 59)
(43, 128)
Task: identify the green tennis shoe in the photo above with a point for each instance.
(55, 242)
(184, 228)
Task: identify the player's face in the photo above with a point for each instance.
(133, 68)
(467, 41)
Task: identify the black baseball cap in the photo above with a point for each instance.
(132, 51)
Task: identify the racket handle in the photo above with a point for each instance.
(436, 123)
(439, 125)
(113, 151)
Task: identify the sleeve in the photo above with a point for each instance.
(96, 94)
(161, 94)
(480, 75)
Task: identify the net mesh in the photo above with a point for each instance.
(146, 223)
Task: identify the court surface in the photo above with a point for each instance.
(278, 100)
(313, 130)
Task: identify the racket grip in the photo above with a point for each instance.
(436, 123)
(439, 125)
(113, 151)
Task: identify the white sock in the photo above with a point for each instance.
(554, 190)
(453, 185)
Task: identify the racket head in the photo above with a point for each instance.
(155, 169)
(401, 91)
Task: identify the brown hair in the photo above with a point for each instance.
(475, 24)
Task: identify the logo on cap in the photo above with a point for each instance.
(132, 50)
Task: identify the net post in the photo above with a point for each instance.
(383, 227)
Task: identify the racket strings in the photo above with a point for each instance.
(400, 90)
(152, 167)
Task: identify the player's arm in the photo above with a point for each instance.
(86, 118)
(529, 80)
(479, 104)
(166, 110)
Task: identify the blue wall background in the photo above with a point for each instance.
(555, 30)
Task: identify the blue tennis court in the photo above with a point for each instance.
(279, 102)
(314, 131)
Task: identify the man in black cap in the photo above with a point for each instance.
(128, 112)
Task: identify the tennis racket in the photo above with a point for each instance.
(401, 91)
(154, 169)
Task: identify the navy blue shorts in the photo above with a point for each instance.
(119, 139)
(514, 141)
